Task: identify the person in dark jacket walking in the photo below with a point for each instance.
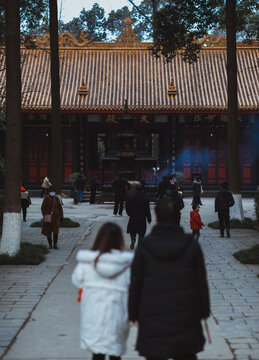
(80, 186)
(223, 201)
(120, 186)
(197, 190)
(171, 193)
(162, 186)
(51, 207)
(93, 187)
(168, 294)
(138, 209)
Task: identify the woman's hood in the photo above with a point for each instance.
(167, 241)
(109, 264)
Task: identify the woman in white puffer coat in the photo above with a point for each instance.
(104, 275)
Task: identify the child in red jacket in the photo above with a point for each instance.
(195, 221)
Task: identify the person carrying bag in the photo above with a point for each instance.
(52, 212)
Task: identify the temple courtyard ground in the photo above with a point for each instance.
(39, 315)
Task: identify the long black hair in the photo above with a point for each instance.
(108, 237)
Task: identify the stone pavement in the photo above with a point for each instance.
(39, 317)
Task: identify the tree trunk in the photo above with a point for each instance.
(11, 236)
(56, 158)
(232, 111)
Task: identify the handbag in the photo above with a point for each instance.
(48, 217)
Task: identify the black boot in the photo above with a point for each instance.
(55, 241)
(133, 241)
(228, 233)
(50, 243)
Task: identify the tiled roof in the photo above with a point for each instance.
(113, 73)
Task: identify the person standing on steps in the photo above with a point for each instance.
(120, 186)
(168, 294)
(223, 201)
(80, 187)
(197, 191)
(103, 274)
(138, 210)
(52, 212)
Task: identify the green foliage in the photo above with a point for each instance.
(31, 12)
(235, 224)
(29, 254)
(115, 19)
(176, 25)
(66, 223)
(256, 203)
(93, 20)
(247, 18)
(248, 256)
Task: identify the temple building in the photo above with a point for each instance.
(124, 110)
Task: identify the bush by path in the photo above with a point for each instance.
(66, 223)
(248, 256)
(248, 223)
(29, 254)
(257, 208)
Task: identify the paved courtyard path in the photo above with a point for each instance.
(39, 315)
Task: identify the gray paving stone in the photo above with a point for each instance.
(234, 286)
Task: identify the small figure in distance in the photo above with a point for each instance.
(80, 187)
(168, 295)
(223, 201)
(46, 184)
(103, 274)
(25, 201)
(195, 221)
(138, 210)
(120, 186)
(197, 191)
(52, 212)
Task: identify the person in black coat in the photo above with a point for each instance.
(120, 186)
(168, 294)
(171, 193)
(138, 209)
(197, 190)
(93, 187)
(162, 186)
(223, 201)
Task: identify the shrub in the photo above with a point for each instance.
(29, 254)
(66, 223)
(235, 224)
(248, 256)
(257, 208)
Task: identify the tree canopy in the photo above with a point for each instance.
(31, 14)
(177, 24)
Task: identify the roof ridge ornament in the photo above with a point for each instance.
(127, 37)
(210, 41)
(66, 40)
(83, 89)
(171, 90)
